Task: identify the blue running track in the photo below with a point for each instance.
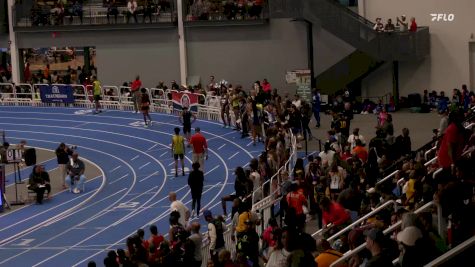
(132, 191)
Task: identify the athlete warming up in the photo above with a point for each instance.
(185, 119)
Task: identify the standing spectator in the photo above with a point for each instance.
(452, 143)
(444, 121)
(403, 25)
(112, 10)
(76, 10)
(316, 105)
(132, 10)
(197, 240)
(178, 206)
(97, 92)
(46, 72)
(62, 155)
(39, 182)
(76, 177)
(297, 101)
(296, 202)
(378, 26)
(354, 137)
(195, 181)
(148, 7)
(135, 88)
(375, 241)
(27, 73)
(403, 143)
(335, 214)
(178, 151)
(413, 27)
(248, 244)
(185, 119)
(389, 27)
(266, 87)
(145, 107)
(216, 228)
(200, 148)
(360, 151)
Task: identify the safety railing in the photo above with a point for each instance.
(467, 244)
(357, 222)
(389, 230)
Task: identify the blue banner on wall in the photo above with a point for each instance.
(57, 94)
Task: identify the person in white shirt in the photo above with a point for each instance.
(355, 136)
(132, 10)
(177, 205)
(378, 26)
(327, 155)
(297, 102)
(402, 23)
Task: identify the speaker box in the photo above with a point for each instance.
(30, 156)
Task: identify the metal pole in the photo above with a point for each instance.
(311, 62)
(182, 43)
(14, 59)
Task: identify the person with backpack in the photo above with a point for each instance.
(216, 228)
(247, 246)
(177, 233)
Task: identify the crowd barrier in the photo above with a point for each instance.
(120, 98)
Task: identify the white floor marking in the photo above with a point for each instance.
(146, 178)
(116, 168)
(233, 155)
(143, 166)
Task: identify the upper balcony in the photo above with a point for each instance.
(76, 15)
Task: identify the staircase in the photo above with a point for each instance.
(372, 48)
(348, 71)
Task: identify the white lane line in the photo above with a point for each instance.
(80, 125)
(152, 147)
(250, 143)
(134, 158)
(143, 166)
(116, 168)
(233, 155)
(171, 163)
(219, 148)
(115, 181)
(146, 178)
(215, 167)
(163, 154)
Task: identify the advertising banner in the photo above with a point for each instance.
(56, 94)
(302, 78)
(183, 99)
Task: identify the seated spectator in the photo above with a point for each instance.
(39, 182)
(327, 255)
(375, 242)
(75, 178)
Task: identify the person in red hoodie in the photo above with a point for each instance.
(335, 215)
(266, 87)
(413, 27)
(136, 95)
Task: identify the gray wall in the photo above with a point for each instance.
(242, 55)
(239, 54)
(448, 66)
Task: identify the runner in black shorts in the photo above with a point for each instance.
(185, 119)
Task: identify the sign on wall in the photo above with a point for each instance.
(302, 78)
(57, 94)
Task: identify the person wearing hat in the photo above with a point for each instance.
(375, 241)
(216, 228)
(410, 254)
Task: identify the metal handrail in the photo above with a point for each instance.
(390, 229)
(452, 253)
(362, 219)
(388, 177)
